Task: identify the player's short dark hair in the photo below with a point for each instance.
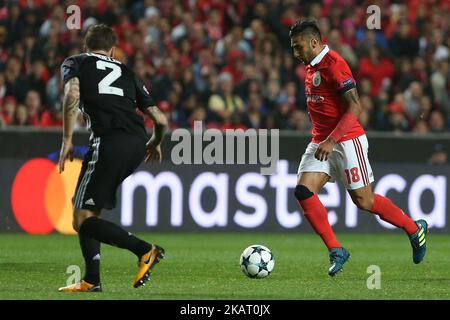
(100, 37)
(307, 26)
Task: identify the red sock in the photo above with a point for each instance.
(317, 216)
(389, 212)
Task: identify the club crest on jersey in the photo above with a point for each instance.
(316, 79)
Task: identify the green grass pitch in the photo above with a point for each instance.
(206, 266)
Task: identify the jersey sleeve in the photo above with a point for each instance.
(342, 77)
(69, 69)
(143, 97)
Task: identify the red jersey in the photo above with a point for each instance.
(327, 78)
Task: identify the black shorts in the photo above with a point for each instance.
(109, 161)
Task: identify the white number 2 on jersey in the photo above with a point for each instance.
(104, 86)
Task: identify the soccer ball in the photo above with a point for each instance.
(257, 261)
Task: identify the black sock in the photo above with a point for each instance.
(91, 253)
(110, 233)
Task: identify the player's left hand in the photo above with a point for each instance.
(153, 152)
(324, 149)
(66, 152)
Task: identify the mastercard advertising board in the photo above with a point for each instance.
(35, 198)
(41, 196)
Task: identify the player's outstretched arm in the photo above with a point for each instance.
(71, 101)
(153, 151)
(346, 123)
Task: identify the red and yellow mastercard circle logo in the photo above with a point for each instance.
(41, 197)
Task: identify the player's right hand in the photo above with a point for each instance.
(324, 149)
(153, 152)
(66, 152)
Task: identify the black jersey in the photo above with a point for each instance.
(110, 94)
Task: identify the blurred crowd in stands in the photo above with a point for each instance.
(229, 63)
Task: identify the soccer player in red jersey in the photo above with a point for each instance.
(339, 146)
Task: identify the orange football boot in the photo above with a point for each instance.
(82, 286)
(146, 264)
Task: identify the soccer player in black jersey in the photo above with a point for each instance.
(109, 94)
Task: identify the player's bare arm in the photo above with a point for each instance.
(71, 101)
(153, 149)
(353, 111)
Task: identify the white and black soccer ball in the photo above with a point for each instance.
(257, 261)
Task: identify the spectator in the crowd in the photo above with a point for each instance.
(367, 39)
(420, 128)
(253, 117)
(419, 70)
(38, 78)
(404, 43)
(439, 155)
(437, 122)
(198, 114)
(14, 79)
(425, 107)
(202, 69)
(335, 43)
(365, 86)
(224, 103)
(288, 71)
(182, 114)
(440, 83)
(271, 94)
(53, 89)
(3, 39)
(214, 27)
(396, 119)
(233, 40)
(234, 65)
(51, 118)
(2, 87)
(412, 97)
(299, 121)
(281, 115)
(21, 116)
(290, 89)
(9, 109)
(366, 117)
(198, 38)
(440, 51)
(404, 76)
(34, 107)
(378, 69)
